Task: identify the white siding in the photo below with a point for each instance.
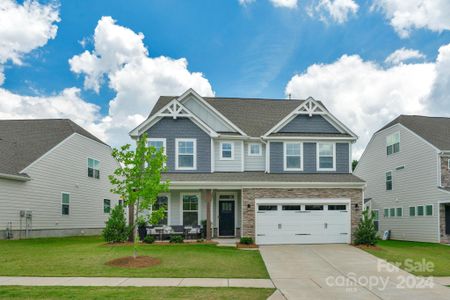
(255, 163)
(414, 185)
(234, 165)
(64, 169)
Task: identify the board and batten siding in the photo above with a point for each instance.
(63, 169)
(171, 129)
(233, 165)
(309, 158)
(254, 163)
(309, 124)
(414, 184)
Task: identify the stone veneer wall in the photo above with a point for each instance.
(445, 238)
(445, 172)
(250, 194)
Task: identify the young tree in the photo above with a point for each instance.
(366, 233)
(116, 230)
(138, 180)
(354, 164)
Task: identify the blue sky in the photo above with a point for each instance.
(246, 50)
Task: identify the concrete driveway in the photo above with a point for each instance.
(342, 272)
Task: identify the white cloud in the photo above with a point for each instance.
(25, 27)
(402, 55)
(365, 95)
(121, 59)
(406, 15)
(284, 3)
(245, 2)
(338, 10)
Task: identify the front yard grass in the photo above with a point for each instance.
(135, 293)
(399, 251)
(86, 256)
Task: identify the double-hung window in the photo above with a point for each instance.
(93, 168)
(65, 203)
(186, 154)
(386, 213)
(293, 156)
(190, 203)
(393, 143)
(399, 212)
(412, 211)
(106, 206)
(420, 210)
(162, 202)
(392, 212)
(429, 210)
(326, 157)
(388, 181)
(226, 150)
(254, 149)
(158, 144)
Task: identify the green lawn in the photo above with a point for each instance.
(86, 256)
(399, 251)
(135, 293)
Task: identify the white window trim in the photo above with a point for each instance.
(254, 154)
(87, 162)
(392, 181)
(62, 193)
(198, 206)
(194, 167)
(221, 150)
(415, 211)
(168, 206)
(396, 212)
(110, 205)
(448, 163)
(159, 140)
(318, 157)
(285, 156)
(388, 213)
(378, 213)
(387, 145)
(425, 210)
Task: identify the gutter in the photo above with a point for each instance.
(14, 177)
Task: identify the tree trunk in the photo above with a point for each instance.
(135, 231)
(131, 222)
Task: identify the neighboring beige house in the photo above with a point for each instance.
(406, 167)
(53, 179)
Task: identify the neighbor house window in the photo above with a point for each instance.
(162, 202)
(325, 152)
(254, 149)
(412, 211)
(121, 202)
(158, 144)
(106, 206)
(186, 154)
(392, 212)
(388, 181)
(393, 143)
(226, 151)
(293, 156)
(429, 210)
(376, 219)
(190, 210)
(399, 212)
(386, 213)
(65, 203)
(420, 210)
(93, 168)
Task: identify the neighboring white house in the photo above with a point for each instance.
(53, 179)
(406, 167)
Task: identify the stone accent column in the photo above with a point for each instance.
(445, 172)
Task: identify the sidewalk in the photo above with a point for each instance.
(138, 282)
(442, 280)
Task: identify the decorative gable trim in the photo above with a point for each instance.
(174, 109)
(311, 107)
(209, 106)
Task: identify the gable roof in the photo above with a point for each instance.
(435, 130)
(24, 141)
(255, 116)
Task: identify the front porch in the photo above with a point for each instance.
(199, 207)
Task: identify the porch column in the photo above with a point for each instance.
(208, 198)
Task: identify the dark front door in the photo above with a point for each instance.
(226, 218)
(447, 219)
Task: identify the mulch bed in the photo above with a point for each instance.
(131, 262)
(246, 245)
(367, 247)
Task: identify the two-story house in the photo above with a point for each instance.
(407, 170)
(275, 170)
(53, 179)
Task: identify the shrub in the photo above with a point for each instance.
(176, 239)
(366, 234)
(149, 239)
(246, 240)
(116, 229)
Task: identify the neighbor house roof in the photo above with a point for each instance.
(24, 141)
(254, 116)
(435, 130)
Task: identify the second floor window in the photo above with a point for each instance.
(388, 181)
(158, 144)
(293, 156)
(93, 168)
(393, 143)
(325, 156)
(254, 149)
(186, 154)
(226, 151)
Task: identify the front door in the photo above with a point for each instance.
(447, 219)
(226, 218)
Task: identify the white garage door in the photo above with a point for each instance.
(298, 221)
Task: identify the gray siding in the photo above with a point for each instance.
(307, 124)
(309, 158)
(234, 165)
(171, 129)
(255, 163)
(415, 184)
